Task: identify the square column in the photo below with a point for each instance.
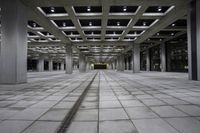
(13, 47)
(62, 66)
(118, 63)
(136, 58)
(127, 63)
(163, 57)
(147, 60)
(82, 63)
(50, 65)
(122, 62)
(58, 66)
(87, 66)
(40, 65)
(68, 60)
(193, 30)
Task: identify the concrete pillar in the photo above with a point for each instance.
(87, 66)
(40, 64)
(147, 60)
(163, 57)
(109, 66)
(82, 63)
(58, 66)
(136, 58)
(69, 59)
(131, 62)
(13, 46)
(75, 66)
(120, 63)
(50, 65)
(62, 66)
(194, 40)
(127, 63)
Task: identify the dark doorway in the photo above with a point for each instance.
(32, 65)
(100, 66)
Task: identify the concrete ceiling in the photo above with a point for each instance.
(102, 29)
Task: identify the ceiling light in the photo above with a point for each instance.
(64, 24)
(160, 39)
(34, 24)
(173, 24)
(90, 23)
(159, 9)
(124, 9)
(144, 24)
(52, 9)
(118, 23)
(88, 9)
(158, 34)
(172, 34)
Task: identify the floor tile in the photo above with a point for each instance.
(153, 126)
(82, 127)
(124, 126)
(168, 111)
(13, 126)
(140, 113)
(112, 114)
(43, 127)
(185, 125)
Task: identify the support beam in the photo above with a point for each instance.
(194, 40)
(136, 58)
(163, 57)
(13, 47)
(69, 60)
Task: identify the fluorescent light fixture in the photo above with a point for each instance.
(52, 9)
(88, 9)
(159, 8)
(124, 9)
(64, 24)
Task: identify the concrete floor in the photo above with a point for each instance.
(147, 102)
